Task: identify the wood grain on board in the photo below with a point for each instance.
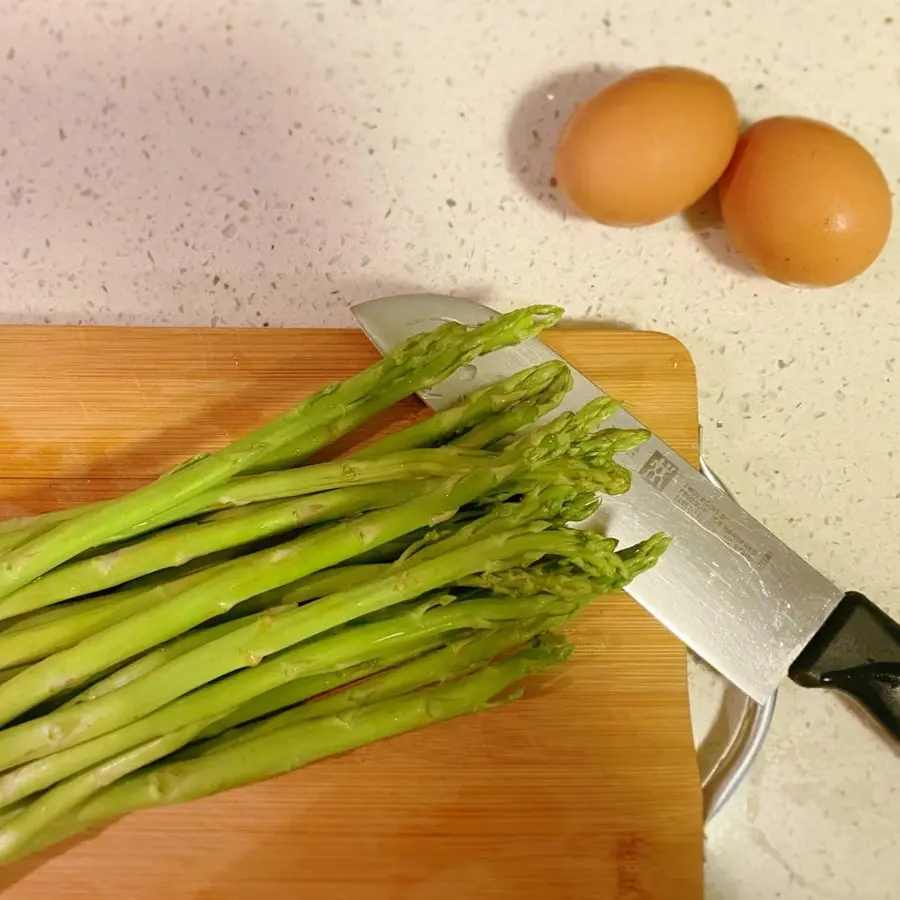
(587, 788)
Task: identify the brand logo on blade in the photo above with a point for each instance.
(658, 471)
(701, 502)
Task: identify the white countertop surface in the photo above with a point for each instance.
(250, 163)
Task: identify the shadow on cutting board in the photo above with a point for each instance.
(13, 873)
(200, 398)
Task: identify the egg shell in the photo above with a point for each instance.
(805, 202)
(648, 146)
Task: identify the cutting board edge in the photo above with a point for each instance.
(564, 328)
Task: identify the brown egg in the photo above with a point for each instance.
(647, 146)
(804, 202)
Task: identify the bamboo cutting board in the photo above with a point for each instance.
(587, 788)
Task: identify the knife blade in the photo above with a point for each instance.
(729, 588)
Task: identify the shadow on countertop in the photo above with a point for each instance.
(537, 123)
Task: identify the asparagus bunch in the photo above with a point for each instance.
(246, 615)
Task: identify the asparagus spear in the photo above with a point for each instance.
(419, 362)
(437, 666)
(264, 570)
(40, 634)
(414, 629)
(245, 490)
(330, 581)
(292, 694)
(30, 644)
(158, 657)
(60, 612)
(607, 478)
(566, 580)
(470, 411)
(552, 503)
(302, 448)
(15, 532)
(21, 531)
(248, 489)
(550, 380)
(294, 746)
(433, 430)
(29, 823)
(562, 581)
(512, 420)
(410, 633)
(574, 500)
(266, 635)
(578, 488)
(436, 366)
(547, 504)
(7, 674)
(16, 523)
(312, 587)
(340, 474)
(176, 546)
(609, 442)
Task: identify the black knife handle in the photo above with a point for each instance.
(857, 651)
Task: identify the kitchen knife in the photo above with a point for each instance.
(739, 597)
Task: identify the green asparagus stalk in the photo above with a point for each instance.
(43, 633)
(30, 822)
(440, 362)
(457, 658)
(267, 635)
(268, 569)
(174, 547)
(20, 531)
(7, 674)
(300, 450)
(513, 420)
(41, 774)
(471, 410)
(528, 385)
(330, 581)
(30, 644)
(608, 478)
(295, 746)
(340, 474)
(570, 506)
(419, 362)
(58, 613)
(310, 588)
(549, 504)
(414, 629)
(577, 499)
(567, 580)
(159, 656)
(559, 580)
(17, 523)
(156, 579)
(609, 442)
(577, 490)
(15, 532)
(291, 694)
(411, 632)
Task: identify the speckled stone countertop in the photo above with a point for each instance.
(253, 163)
